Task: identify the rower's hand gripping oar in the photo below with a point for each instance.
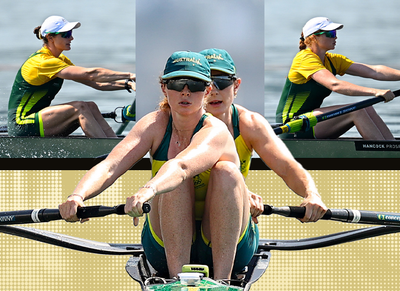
(342, 215)
(46, 215)
(308, 120)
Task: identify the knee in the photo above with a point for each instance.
(84, 106)
(79, 105)
(227, 171)
(370, 111)
(92, 106)
(364, 113)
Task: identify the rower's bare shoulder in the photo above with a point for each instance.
(147, 132)
(212, 121)
(153, 120)
(214, 127)
(251, 120)
(150, 128)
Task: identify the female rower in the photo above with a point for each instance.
(312, 77)
(198, 196)
(252, 131)
(40, 78)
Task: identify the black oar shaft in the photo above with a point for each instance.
(350, 108)
(109, 115)
(29, 216)
(343, 215)
(46, 215)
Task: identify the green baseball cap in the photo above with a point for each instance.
(220, 60)
(187, 64)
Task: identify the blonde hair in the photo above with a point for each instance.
(163, 105)
(305, 42)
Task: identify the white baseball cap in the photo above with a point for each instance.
(319, 23)
(57, 24)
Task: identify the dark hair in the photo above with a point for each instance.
(302, 44)
(36, 31)
(38, 34)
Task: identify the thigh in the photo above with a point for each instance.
(60, 119)
(335, 127)
(60, 113)
(226, 190)
(170, 209)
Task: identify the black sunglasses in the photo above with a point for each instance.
(222, 82)
(194, 85)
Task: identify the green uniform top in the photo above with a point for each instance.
(35, 86)
(301, 93)
(243, 151)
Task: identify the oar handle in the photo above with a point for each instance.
(291, 211)
(100, 211)
(342, 215)
(46, 215)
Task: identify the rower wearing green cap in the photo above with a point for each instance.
(252, 132)
(200, 208)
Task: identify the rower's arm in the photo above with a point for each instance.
(376, 72)
(77, 73)
(109, 86)
(208, 146)
(278, 158)
(211, 144)
(131, 149)
(328, 80)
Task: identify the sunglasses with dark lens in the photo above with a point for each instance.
(222, 82)
(330, 34)
(65, 34)
(179, 84)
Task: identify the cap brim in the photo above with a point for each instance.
(70, 26)
(222, 70)
(185, 74)
(332, 26)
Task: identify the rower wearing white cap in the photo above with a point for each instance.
(41, 77)
(312, 78)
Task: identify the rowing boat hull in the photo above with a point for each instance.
(82, 147)
(55, 148)
(81, 153)
(343, 148)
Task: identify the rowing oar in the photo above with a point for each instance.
(342, 215)
(308, 120)
(46, 215)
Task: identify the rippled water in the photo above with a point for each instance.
(370, 36)
(106, 39)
